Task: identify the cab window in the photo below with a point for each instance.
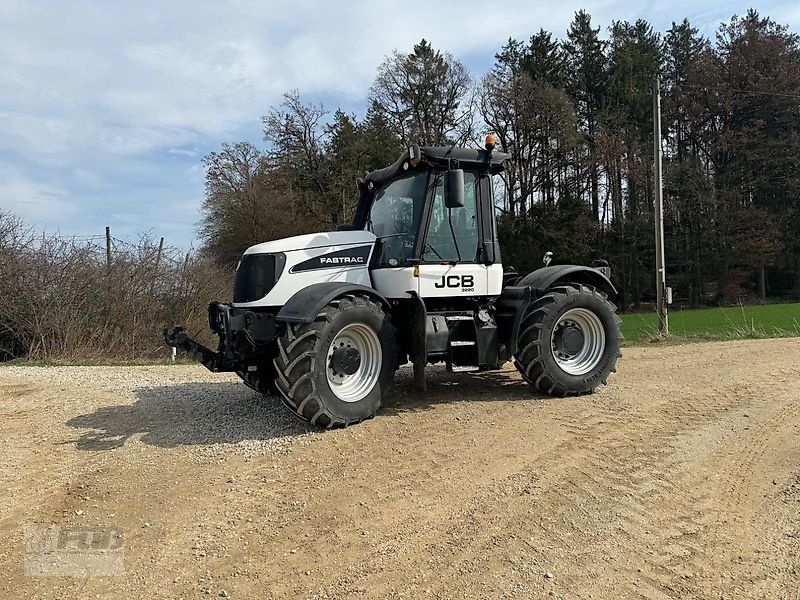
(396, 214)
(397, 207)
(461, 243)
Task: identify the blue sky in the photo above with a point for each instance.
(107, 108)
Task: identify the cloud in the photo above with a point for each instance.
(34, 201)
(137, 93)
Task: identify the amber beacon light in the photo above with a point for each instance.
(491, 142)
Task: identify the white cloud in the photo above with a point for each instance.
(34, 201)
(128, 78)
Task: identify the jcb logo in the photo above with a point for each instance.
(455, 281)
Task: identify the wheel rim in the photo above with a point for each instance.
(578, 341)
(354, 386)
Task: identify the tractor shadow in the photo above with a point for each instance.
(195, 413)
(188, 414)
(447, 388)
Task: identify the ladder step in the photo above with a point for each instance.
(459, 318)
(464, 368)
(462, 343)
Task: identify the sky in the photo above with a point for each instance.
(108, 107)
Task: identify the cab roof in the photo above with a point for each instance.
(443, 156)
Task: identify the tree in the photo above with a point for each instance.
(247, 201)
(586, 84)
(683, 48)
(298, 136)
(545, 61)
(746, 102)
(423, 95)
(635, 57)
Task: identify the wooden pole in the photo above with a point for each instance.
(661, 286)
(183, 274)
(108, 249)
(155, 270)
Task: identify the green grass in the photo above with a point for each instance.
(724, 323)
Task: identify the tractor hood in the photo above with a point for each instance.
(313, 240)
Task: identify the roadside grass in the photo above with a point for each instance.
(722, 323)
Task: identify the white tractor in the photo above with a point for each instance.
(324, 320)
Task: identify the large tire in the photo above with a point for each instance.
(568, 341)
(308, 378)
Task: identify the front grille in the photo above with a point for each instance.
(256, 276)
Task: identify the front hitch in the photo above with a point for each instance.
(178, 338)
(246, 338)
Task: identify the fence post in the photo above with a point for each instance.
(155, 271)
(108, 249)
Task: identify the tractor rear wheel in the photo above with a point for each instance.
(568, 340)
(336, 370)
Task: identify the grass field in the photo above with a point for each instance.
(769, 320)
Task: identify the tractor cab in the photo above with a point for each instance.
(433, 205)
(432, 212)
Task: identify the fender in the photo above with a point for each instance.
(541, 279)
(306, 304)
(514, 300)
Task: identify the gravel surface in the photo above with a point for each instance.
(213, 413)
(681, 479)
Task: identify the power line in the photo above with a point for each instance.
(736, 91)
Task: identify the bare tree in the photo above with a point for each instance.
(534, 122)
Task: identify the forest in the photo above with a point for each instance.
(575, 112)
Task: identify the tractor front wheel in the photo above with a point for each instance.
(262, 380)
(336, 370)
(568, 340)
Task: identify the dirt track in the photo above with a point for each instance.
(680, 479)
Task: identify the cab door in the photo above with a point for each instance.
(449, 263)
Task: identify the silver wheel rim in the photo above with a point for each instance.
(594, 341)
(355, 387)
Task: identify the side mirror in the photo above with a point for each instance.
(454, 189)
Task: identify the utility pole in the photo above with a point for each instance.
(661, 285)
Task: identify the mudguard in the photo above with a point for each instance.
(514, 300)
(306, 304)
(541, 279)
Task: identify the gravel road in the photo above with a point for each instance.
(681, 479)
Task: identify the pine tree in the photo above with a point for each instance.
(587, 85)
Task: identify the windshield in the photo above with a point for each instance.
(453, 233)
(396, 214)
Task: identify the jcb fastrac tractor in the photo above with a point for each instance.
(323, 320)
